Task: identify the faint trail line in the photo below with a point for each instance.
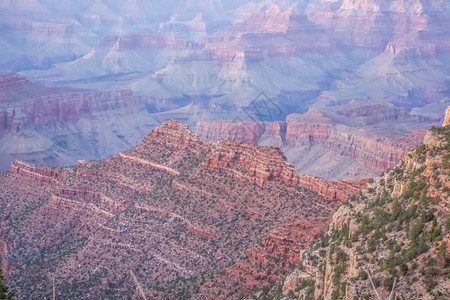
(138, 285)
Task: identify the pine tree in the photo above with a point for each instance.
(4, 294)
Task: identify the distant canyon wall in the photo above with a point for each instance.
(376, 151)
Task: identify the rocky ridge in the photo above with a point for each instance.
(390, 240)
(264, 164)
(169, 210)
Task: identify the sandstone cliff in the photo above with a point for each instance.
(262, 165)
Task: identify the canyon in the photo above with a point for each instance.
(123, 69)
(168, 210)
(224, 149)
(59, 125)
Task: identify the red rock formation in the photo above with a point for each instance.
(176, 135)
(378, 153)
(149, 163)
(175, 205)
(256, 164)
(331, 189)
(39, 173)
(262, 165)
(87, 195)
(376, 150)
(312, 127)
(63, 108)
(289, 240)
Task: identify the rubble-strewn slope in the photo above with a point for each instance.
(392, 238)
(173, 207)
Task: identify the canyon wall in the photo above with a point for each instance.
(58, 125)
(333, 137)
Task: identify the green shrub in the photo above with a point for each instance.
(404, 268)
(388, 282)
(363, 275)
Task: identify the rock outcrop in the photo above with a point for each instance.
(257, 164)
(38, 173)
(447, 117)
(331, 189)
(263, 165)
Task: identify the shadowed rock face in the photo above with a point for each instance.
(175, 206)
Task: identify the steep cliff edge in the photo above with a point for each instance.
(391, 240)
